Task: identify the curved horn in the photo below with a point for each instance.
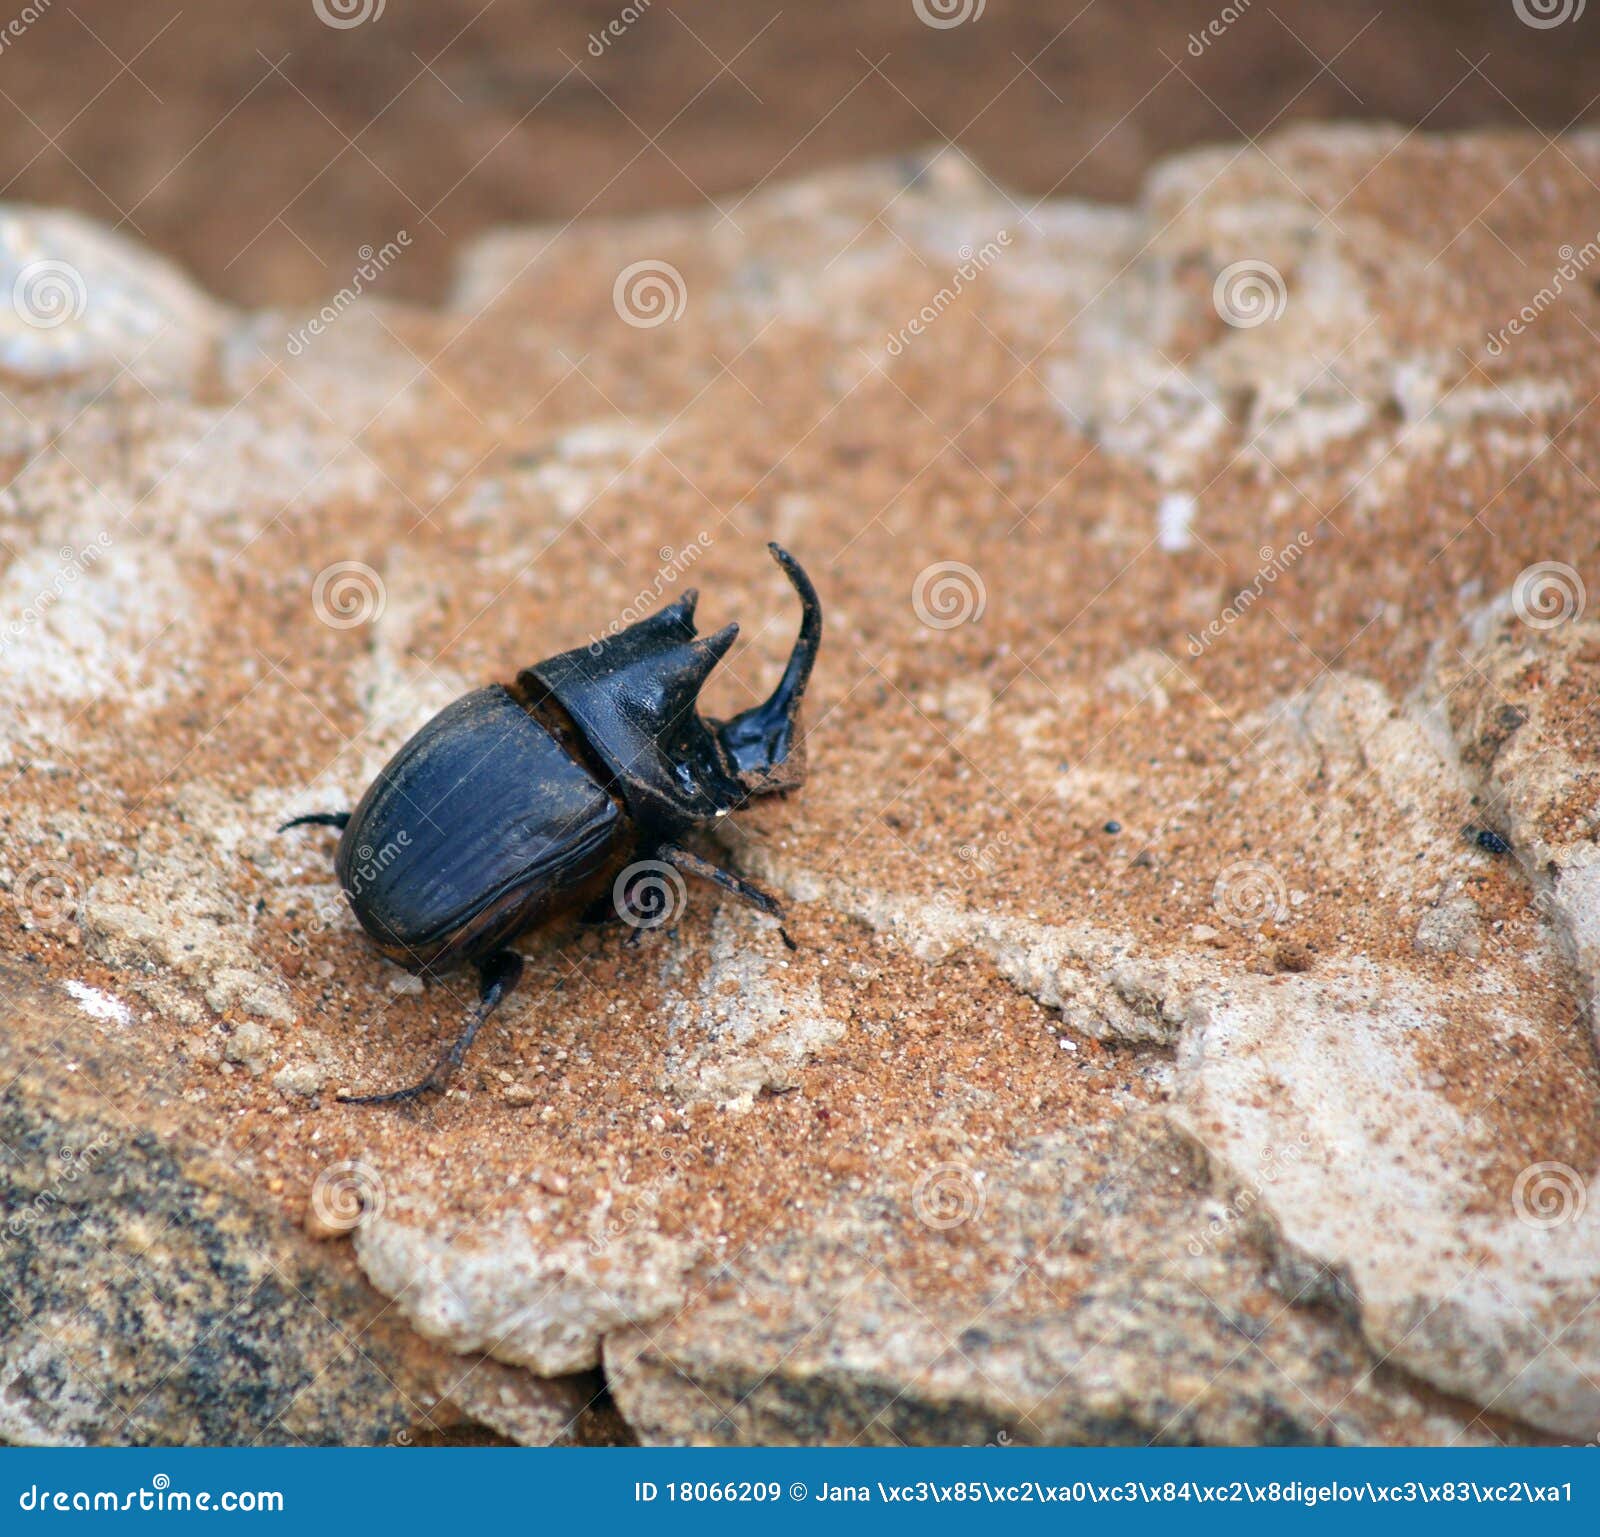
(757, 740)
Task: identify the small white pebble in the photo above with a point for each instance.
(1174, 514)
(99, 1005)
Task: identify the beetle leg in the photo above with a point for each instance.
(339, 819)
(746, 891)
(496, 977)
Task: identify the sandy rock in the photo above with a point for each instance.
(193, 931)
(745, 1033)
(1513, 691)
(506, 1295)
(250, 1046)
(1158, 1059)
(1452, 928)
(305, 1078)
(532, 1411)
(89, 304)
(145, 1268)
(1344, 1097)
(1137, 1310)
(1094, 976)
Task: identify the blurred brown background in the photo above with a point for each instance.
(262, 145)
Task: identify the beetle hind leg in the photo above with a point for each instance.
(339, 819)
(497, 975)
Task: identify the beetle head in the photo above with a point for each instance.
(634, 696)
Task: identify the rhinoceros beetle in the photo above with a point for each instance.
(523, 800)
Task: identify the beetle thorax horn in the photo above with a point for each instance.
(634, 696)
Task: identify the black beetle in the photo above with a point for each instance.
(522, 800)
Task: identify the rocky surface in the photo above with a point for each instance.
(1195, 893)
(156, 1292)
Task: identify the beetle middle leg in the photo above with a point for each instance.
(497, 975)
(691, 863)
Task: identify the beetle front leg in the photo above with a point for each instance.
(497, 975)
(736, 885)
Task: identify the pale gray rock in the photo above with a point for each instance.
(505, 1294)
(83, 305)
(1337, 1093)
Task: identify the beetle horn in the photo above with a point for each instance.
(700, 656)
(756, 741)
(677, 615)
